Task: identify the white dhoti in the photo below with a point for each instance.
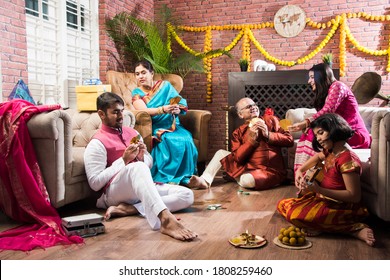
(134, 185)
(215, 165)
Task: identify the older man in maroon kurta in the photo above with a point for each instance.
(255, 160)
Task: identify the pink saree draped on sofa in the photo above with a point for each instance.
(23, 195)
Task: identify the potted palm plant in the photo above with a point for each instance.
(244, 63)
(137, 39)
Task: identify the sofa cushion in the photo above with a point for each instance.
(364, 156)
(84, 126)
(298, 115)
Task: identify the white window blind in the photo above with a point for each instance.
(62, 47)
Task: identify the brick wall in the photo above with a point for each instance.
(13, 44)
(373, 35)
(108, 9)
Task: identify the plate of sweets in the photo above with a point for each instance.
(247, 240)
(292, 238)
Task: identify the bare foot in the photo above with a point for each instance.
(171, 227)
(123, 209)
(366, 235)
(197, 182)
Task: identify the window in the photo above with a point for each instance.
(62, 47)
(72, 15)
(32, 8)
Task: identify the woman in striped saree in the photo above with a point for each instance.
(334, 204)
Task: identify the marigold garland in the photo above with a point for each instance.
(207, 65)
(246, 34)
(246, 47)
(342, 47)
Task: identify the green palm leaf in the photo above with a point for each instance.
(159, 51)
(136, 39)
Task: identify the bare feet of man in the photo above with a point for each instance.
(366, 235)
(197, 182)
(171, 227)
(123, 209)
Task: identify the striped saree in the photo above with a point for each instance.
(315, 211)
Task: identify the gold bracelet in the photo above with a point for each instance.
(160, 110)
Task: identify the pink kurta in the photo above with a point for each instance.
(340, 100)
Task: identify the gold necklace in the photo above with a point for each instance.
(147, 88)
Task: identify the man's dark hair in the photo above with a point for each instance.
(106, 99)
(336, 125)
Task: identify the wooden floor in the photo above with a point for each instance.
(131, 237)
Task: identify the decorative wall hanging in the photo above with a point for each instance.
(289, 21)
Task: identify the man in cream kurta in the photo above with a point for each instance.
(120, 168)
(255, 160)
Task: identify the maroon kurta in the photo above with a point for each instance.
(262, 159)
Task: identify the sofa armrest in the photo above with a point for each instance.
(46, 125)
(143, 124)
(368, 114)
(51, 134)
(197, 122)
(380, 165)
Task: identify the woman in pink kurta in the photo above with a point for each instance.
(332, 96)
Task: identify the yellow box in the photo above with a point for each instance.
(86, 96)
